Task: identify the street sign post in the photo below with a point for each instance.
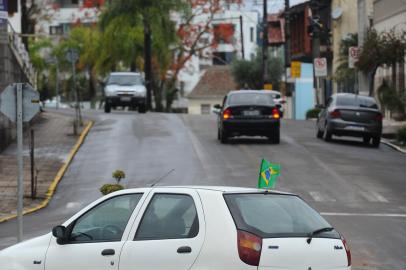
(20, 103)
(320, 67)
(352, 56)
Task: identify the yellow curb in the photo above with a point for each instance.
(58, 177)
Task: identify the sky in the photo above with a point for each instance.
(273, 5)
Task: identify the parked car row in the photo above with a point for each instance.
(181, 228)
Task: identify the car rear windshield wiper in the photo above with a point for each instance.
(326, 229)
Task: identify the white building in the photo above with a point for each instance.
(58, 16)
(226, 50)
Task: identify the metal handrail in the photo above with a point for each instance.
(20, 53)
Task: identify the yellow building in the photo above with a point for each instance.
(345, 22)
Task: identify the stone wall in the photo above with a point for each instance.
(10, 72)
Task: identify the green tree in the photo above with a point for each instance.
(248, 73)
(345, 76)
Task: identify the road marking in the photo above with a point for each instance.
(379, 197)
(363, 214)
(321, 198)
(316, 196)
(71, 205)
(373, 196)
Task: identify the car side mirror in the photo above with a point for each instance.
(59, 232)
(217, 107)
(278, 106)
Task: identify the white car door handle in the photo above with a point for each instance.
(108, 252)
(184, 249)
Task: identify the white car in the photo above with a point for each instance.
(277, 98)
(180, 228)
(125, 89)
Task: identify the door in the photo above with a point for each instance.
(96, 237)
(170, 233)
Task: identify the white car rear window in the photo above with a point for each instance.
(275, 215)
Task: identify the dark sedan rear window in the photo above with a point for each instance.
(357, 101)
(250, 99)
(275, 215)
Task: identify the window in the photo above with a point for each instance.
(205, 108)
(275, 215)
(169, 216)
(252, 34)
(106, 221)
(357, 101)
(250, 99)
(56, 30)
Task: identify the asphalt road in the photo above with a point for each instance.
(359, 189)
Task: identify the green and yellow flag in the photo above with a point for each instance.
(268, 173)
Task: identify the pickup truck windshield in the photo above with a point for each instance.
(125, 80)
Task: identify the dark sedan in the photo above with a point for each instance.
(351, 115)
(249, 112)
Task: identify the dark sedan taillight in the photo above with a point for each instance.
(379, 117)
(249, 247)
(227, 114)
(335, 114)
(275, 113)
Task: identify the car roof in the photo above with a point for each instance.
(220, 189)
(125, 73)
(247, 91)
(352, 95)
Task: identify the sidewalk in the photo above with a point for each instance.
(390, 129)
(53, 141)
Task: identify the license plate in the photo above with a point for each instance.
(251, 113)
(355, 128)
(125, 98)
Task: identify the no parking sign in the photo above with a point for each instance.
(320, 67)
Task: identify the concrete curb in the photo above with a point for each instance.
(58, 177)
(393, 146)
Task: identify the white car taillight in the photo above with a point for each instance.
(347, 250)
(249, 247)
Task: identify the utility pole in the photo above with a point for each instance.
(20, 161)
(265, 45)
(363, 23)
(57, 83)
(242, 38)
(287, 44)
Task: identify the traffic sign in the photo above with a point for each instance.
(320, 67)
(72, 55)
(295, 69)
(353, 53)
(30, 102)
(268, 86)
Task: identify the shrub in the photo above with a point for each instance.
(402, 135)
(109, 188)
(118, 175)
(313, 113)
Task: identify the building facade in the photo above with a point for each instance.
(241, 44)
(388, 15)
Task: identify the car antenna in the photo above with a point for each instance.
(156, 181)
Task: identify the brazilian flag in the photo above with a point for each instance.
(268, 173)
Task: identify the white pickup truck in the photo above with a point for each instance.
(125, 89)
